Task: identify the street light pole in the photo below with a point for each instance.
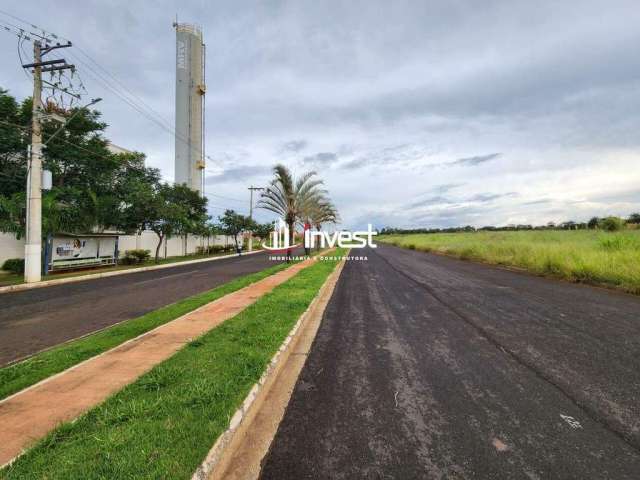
(251, 189)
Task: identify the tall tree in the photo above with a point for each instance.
(92, 186)
(234, 224)
(167, 210)
(263, 230)
(634, 218)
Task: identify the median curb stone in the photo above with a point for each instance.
(222, 447)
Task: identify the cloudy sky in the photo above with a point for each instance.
(420, 113)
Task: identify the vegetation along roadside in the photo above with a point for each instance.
(163, 425)
(18, 376)
(597, 257)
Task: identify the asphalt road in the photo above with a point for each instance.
(430, 367)
(33, 320)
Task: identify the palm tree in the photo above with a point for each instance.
(291, 198)
(323, 212)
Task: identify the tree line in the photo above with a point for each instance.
(94, 189)
(610, 223)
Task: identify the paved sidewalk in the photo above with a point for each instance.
(29, 415)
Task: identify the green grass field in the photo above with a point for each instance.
(14, 378)
(163, 425)
(589, 256)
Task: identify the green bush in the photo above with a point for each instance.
(612, 224)
(210, 250)
(133, 257)
(14, 265)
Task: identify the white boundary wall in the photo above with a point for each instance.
(173, 247)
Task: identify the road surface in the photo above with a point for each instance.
(430, 367)
(32, 320)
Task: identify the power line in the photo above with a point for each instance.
(131, 99)
(134, 101)
(225, 198)
(21, 40)
(20, 20)
(11, 28)
(95, 154)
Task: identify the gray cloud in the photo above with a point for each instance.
(321, 159)
(558, 94)
(485, 197)
(489, 197)
(238, 174)
(444, 188)
(473, 161)
(295, 146)
(538, 202)
(430, 201)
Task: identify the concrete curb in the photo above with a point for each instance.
(259, 390)
(93, 276)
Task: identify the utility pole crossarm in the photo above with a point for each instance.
(42, 64)
(56, 68)
(53, 47)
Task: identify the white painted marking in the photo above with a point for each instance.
(573, 423)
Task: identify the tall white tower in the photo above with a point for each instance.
(190, 90)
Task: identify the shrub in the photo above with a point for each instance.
(14, 265)
(612, 224)
(132, 257)
(127, 260)
(210, 250)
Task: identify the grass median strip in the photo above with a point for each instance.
(594, 257)
(163, 425)
(18, 376)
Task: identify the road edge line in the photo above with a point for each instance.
(228, 442)
(93, 276)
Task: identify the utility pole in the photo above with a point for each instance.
(251, 189)
(33, 245)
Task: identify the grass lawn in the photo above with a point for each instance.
(163, 425)
(7, 278)
(14, 378)
(590, 256)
